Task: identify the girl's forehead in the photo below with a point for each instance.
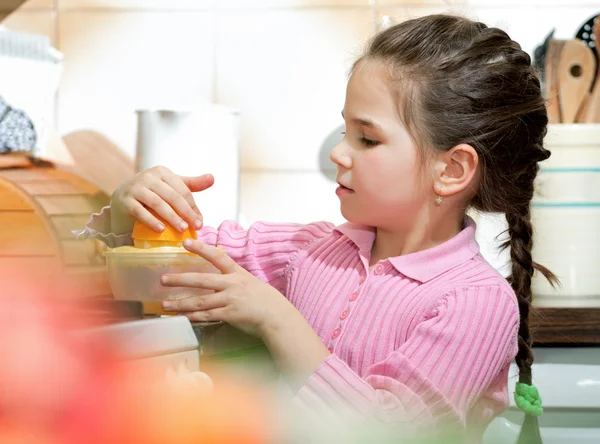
(369, 89)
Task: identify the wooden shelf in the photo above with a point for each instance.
(565, 326)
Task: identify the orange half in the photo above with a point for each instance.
(145, 237)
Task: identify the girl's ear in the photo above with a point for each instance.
(455, 170)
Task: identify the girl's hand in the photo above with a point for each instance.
(166, 193)
(183, 379)
(240, 299)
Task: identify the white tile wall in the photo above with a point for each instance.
(282, 63)
(419, 3)
(288, 196)
(400, 13)
(10, 5)
(278, 4)
(515, 4)
(292, 89)
(117, 62)
(203, 4)
(565, 19)
(522, 27)
(540, 3)
(137, 4)
(35, 21)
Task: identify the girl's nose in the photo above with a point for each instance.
(340, 155)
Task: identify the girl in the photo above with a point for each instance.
(394, 315)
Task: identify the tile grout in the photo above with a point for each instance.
(285, 170)
(26, 11)
(215, 57)
(375, 8)
(57, 46)
(213, 9)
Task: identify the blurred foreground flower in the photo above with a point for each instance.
(58, 388)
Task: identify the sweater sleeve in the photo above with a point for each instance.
(437, 375)
(264, 249)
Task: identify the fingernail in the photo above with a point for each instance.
(183, 226)
(164, 279)
(160, 227)
(167, 305)
(198, 223)
(187, 243)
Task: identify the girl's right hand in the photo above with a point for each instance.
(162, 191)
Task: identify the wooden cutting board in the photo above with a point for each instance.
(8, 6)
(98, 160)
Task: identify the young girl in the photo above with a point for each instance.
(394, 315)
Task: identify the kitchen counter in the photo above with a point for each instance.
(565, 326)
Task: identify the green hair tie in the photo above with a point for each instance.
(528, 399)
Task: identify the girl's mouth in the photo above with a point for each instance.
(343, 191)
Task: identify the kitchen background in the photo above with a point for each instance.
(277, 69)
(281, 63)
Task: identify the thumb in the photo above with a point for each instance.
(198, 183)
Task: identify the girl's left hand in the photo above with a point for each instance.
(239, 298)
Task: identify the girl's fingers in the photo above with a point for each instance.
(215, 256)
(198, 183)
(190, 212)
(215, 314)
(152, 200)
(196, 303)
(208, 281)
(186, 215)
(141, 213)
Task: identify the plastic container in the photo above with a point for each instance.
(134, 274)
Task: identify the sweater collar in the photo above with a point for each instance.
(422, 265)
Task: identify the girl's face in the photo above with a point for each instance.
(379, 168)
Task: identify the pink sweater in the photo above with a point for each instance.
(424, 339)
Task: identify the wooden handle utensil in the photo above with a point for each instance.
(591, 113)
(551, 80)
(576, 70)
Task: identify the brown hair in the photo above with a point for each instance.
(459, 81)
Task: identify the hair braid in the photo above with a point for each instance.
(521, 242)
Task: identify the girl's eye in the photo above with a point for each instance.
(368, 142)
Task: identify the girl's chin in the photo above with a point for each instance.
(352, 215)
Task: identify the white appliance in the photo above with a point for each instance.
(569, 383)
(200, 139)
(155, 346)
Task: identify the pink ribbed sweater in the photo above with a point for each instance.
(424, 338)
